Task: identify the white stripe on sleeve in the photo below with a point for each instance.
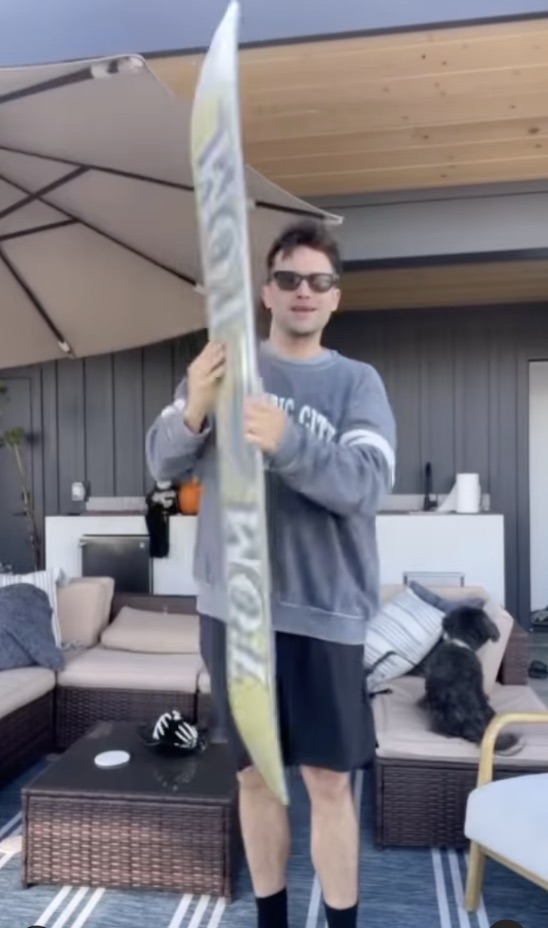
(176, 408)
(374, 440)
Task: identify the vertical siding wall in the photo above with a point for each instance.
(458, 381)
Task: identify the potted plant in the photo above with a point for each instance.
(13, 440)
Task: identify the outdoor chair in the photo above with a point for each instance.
(507, 819)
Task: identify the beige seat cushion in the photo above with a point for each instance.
(402, 727)
(20, 687)
(153, 632)
(84, 606)
(509, 818)
(108, 669)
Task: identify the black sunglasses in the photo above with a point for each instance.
(318, 282)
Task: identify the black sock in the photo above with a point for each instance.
(272, 910)
(342, 918)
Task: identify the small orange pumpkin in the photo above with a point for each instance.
(189, 496)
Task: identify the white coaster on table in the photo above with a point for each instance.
(112, 759)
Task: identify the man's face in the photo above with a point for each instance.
(301, 308)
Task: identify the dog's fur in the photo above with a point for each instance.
(454, 697)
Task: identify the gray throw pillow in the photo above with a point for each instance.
(26, 636)
(398, 637)
(12, 655)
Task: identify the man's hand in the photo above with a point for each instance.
(264, 424)
(204, 376)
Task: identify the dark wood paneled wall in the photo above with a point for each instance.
(87, 420)
(458, 381)
(459, 384)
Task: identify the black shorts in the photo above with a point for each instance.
(324, 712)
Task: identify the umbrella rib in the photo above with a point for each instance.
(291, 210)
(111, 238)
(54, 83)
(36, 229)
(38, 194)
(59, 338)
(116, 172)
(146, 179)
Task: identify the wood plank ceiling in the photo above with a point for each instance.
(439, 286)
(453, 106)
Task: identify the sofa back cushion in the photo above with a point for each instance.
(389, 590)
(152, 632)
(461, 592)
(492, 653)
(84, 605)
(446, 603)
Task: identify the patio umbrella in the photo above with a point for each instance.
(99, 248)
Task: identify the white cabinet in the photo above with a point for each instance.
(471, 546)
(170, 575)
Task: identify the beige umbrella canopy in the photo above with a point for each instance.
(98, 238)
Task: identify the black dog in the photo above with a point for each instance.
(454, 699)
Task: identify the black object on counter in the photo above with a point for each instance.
(429, 502)
(161, 504)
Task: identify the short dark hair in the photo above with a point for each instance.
(306, 234)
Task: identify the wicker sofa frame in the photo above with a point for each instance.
(62, 716)
(25, 736)
(416, 803)
(78, 708)
(423, 803)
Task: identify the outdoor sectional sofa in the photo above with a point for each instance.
(125, 663)
(42, 711)
(422, 780)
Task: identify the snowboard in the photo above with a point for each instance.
(221, 202)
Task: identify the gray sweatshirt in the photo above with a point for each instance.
(325, 484)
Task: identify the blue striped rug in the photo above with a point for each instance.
(399, 888)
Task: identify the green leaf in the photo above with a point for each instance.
(14, 437)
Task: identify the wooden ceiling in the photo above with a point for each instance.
(439, 286)
(417, 110)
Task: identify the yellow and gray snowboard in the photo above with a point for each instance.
(219, 182)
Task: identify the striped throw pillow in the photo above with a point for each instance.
(45, 580)
(399, 636)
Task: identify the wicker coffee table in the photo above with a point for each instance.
(156, 823)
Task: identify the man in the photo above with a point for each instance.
(327, 433)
